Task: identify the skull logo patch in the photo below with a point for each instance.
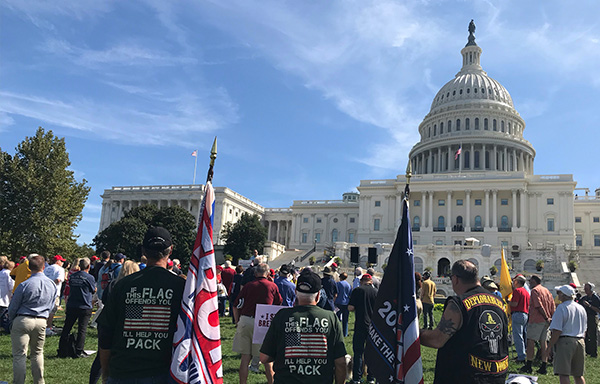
(490, 325)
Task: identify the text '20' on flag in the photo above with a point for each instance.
(197, 341)
(393, 351)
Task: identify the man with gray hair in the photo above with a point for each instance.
(376, 281)
(79, 308)
(28, 312)
(305, 342)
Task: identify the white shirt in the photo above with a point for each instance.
(55, 272)
(570, 318)
(6, 287)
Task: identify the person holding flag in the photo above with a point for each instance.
(393, 353)
(472, 335)
(136, 326)
(197, 341)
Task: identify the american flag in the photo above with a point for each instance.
(197, 341)
(458, 153)
(195, 153)
(305, 345)
(147, 317)
(393, 351)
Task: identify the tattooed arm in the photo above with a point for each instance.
(449, 324)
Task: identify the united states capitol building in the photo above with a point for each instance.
(473, 192)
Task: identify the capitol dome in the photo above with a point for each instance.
(472, 125)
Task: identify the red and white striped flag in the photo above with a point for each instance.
(195, 153)
(197, 341)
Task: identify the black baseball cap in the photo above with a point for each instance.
(284, 269)
(308, 282)
(157, 239)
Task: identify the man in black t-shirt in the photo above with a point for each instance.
(136, 327)
(79, 308)
(591, 303)
(305, 342)
(362, 301)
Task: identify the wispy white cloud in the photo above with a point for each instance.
(78, 9)
(90, 207)
(170, 123)
(127, 54)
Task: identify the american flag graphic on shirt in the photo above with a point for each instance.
(305, 345)
(147, 318)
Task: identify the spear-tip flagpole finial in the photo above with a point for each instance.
(408, 176)
(213, 156)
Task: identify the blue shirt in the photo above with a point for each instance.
(82, 286)
(33, 297)
(344, 289)
(287, 290)
(331, 290)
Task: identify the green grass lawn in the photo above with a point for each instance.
(76, 371)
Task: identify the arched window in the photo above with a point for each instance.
(478, 221)
(485, 124)
(509, 128)
(477, 123)
(434, 130)
(529, 265)
(418, 264)
(443, 267)
(449, 126)
(476, 160)
(487, 160)
(416, 222)
(441, 222)
(494, 125)
(334, 236)
(458, 124)
(467, 124)
(459, 220)
(502, 125)
(429, 132)
(504, 222)
(441, 128)
(467, 160)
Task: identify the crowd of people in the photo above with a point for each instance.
(137, 304)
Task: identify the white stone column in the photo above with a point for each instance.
(431, 209)
(468, 221)
(495, 158)
(523, 221)
(269, 230)
(505, 159)
(495, 208)
(514, 157)
(449, 159)
(430, 161)
(424, 209)
(472, 157)
(439, 160)
(449, 211)
(487, 208)
(514, 209)
(521, 168)
(482, 158)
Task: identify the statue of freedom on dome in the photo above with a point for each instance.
(471, 33)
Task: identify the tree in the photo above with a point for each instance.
(40, 200)
(127, 234)
(244, 236)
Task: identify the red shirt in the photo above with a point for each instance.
(227, 278)
(259, 291)
(521, 297)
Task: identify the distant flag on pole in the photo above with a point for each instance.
(197, 341)
(393, 351)
(195, 153)
(458, 152)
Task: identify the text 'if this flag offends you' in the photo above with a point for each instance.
(393, 351)
(197, 341)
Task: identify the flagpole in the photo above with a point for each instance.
(213, 156)
(195, 165)
(408, 176)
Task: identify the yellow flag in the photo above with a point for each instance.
(505, 280)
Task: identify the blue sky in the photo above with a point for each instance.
(306, 97)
